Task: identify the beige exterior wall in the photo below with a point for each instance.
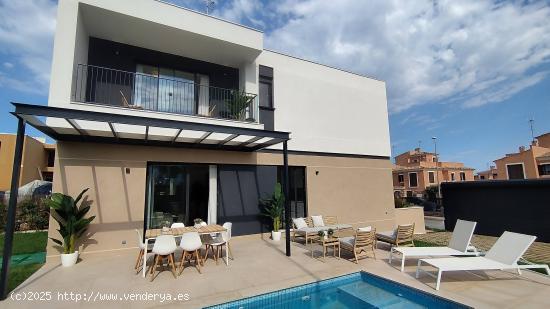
(410, 215)
(527, 158)
(357, 190)
(34, 160)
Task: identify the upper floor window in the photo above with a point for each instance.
(413, 180)
(544, 169)
(431, 177)
(481, 177)
(452, 176)
(515, 171)
(266, 87)
(462, 176)
(400, 178)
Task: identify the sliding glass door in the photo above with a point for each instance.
(177, 193)
(173, 91)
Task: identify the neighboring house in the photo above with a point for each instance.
(168, 115)
(529, 163)
(416, 170)
(37, 161)
(490, 174)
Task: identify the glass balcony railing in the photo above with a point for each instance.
(138, 91)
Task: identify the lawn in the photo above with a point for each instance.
(26, 242)
(18, 274)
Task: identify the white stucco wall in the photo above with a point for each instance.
(326, 109)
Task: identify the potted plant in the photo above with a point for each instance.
(72, 223)
(330, 232)
(237, 104)
(322, 234)
(198, 223)
(273, 208)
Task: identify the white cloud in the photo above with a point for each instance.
(8, 65)
(26, 36)
(471, 52)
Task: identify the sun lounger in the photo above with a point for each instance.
(458, 245)
(504, 254)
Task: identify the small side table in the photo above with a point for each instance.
(333, 242)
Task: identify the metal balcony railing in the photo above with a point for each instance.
(138, 91)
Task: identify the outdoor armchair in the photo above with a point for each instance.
(402, 236)
(361, 244)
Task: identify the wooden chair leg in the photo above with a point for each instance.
(158, 257)
(173, 264)
(139, 258)
(198, 261)
(182, 262)
(217, 254)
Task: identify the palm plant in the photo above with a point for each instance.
(70, 217)
(237, 104)
(274, 206)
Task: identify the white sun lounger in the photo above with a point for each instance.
(458, 245)
(504, 254)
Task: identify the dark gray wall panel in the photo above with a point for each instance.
(521, 206)
(240, 188)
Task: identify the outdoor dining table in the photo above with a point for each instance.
(178, 231)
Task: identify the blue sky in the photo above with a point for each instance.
(470, 72)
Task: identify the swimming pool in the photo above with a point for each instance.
(356, 290)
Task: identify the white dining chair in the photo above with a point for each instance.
(164, 247)
(190, 244)
(215, 244)
(142, 250)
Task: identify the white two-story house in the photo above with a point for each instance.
(168, 115)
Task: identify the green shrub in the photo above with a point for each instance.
(3, 214)
(400, 203)
(32, 214)
(431, 193)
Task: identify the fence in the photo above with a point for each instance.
(521, 206)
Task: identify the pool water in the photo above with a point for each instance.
(356, 290)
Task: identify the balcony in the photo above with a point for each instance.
(178, 95)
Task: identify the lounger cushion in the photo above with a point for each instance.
(350, 241)
(311, 230)
(300, 223)
(339, 226)
(317, 221)
(365, 229)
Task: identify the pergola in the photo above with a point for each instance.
(65, 124)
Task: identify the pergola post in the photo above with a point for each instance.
(287, 201)
(10, 224)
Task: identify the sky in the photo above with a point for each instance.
(471, 72)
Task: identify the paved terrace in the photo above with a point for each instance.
(261, 266)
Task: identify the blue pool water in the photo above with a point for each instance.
(356, 290)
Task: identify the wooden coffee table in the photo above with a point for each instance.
(333, 242)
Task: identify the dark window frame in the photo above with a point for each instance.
(416, 180)
(431, 176)
(515, 165)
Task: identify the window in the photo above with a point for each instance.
(400, 178)
(452, 176)
(495, 176)
(462, 176)
(544, 169)
(481, 177)
(413, 180)
(515, 171)
(433, 159)
(266, 92)
(431, 177)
